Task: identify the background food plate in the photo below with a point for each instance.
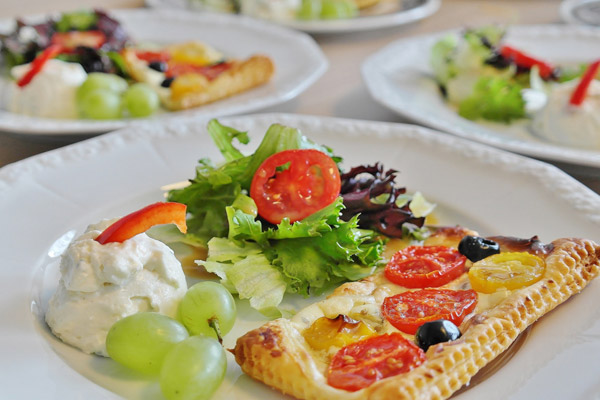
(51, 197)
(299, 62)
(386, 14)
(586, 12)
(399, 77)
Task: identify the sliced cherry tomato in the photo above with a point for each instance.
(72, 39)
(38, 63)
(294, 184)
(510, 270)
(340, 331)
(425, 266)
(142, 220)
(150, 56)
(526, 61)
(209, 71)
(409, 310)
(580, 91)
(360, 364)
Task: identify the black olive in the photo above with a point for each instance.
(159, 66)
(167, 82)
(435, 332)
(476, 248)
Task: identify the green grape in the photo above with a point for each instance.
(100, 80)
(309, 9)
(337, 9)
(141, 100)
(141, 341)
(100, 104)
(193, 369)
(205, 305)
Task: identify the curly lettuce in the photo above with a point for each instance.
(306, 257)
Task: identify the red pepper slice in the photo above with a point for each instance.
(581, 90)
(142, 220)
(38, 63)
(526, 61)
(72, 39)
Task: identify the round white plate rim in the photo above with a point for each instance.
(372, 74)
(312, 54)
(584, 204)
(424, 10)
(566, 11)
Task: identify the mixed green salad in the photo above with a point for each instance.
(485, 78)
(261, 260)
(93, 37)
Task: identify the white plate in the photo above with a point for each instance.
(586, 12)
(386, 14)
(399, 77)
(50, 197)
(299, 62)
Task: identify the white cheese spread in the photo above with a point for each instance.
(101, 284)
(562, 123)
(51, 92)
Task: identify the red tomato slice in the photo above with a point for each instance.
(150, 56)
(362, 363)
(409, 310)
(142, 220)
(425, 266)
(294, 184)
(72, 39)
(209, 71)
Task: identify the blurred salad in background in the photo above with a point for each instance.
(285, 10)
(487, 79)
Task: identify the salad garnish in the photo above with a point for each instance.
(372, 194)
(483, 77)
(262, 260)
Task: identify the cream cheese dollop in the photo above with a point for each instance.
(560, 122)
(51, 92)
(102, 283)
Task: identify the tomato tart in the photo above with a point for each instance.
(192, 74)
(423, 326)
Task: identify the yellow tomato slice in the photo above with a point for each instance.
(195, 53)
(506, 270)
(340, 331)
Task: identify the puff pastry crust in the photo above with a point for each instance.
(241, 76)
(278, 355)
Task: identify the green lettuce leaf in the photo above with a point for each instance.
(495, 99)
(214, 188)
(309, 256)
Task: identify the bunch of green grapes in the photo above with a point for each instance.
(190, 367)
(327, 9)
(108, 96)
